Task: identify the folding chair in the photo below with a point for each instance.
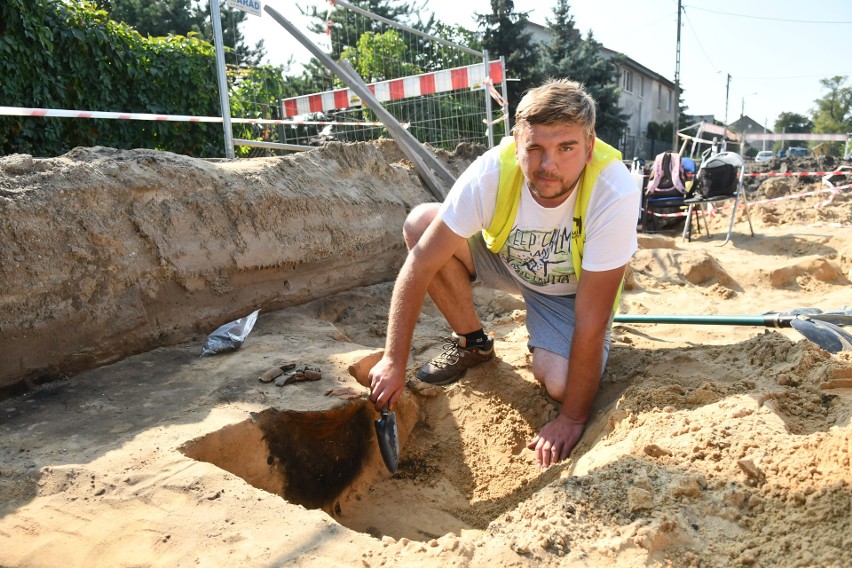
(719, 178)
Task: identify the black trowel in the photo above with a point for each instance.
(386, 425)
(388, 440)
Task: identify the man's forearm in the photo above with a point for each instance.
(596, 294)
(585, 367)
(406, 303)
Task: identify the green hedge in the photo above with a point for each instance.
(71, 55)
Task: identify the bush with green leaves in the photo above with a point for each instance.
(70, 55)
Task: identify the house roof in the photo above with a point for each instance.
(636, 66)
(747, 125)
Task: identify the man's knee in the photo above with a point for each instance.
(418, 221)
(551, 371)
(553, 384)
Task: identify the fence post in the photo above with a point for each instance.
(223, 81)
(508, 129)
(487, 91)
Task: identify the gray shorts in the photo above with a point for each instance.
(550, 319)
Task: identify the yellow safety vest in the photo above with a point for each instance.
(509, 196)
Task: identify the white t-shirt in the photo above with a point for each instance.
(538, 250)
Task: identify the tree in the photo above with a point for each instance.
(505, 34)
(185, 17)
(369, 57)
(565, 36)
(239, 53)
(579, 59)
(833, 113)
(346, 25)
(166, 17)
(791, 122)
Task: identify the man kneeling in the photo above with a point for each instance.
(549, 214)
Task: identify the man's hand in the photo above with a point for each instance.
(556, 440)
(386, 383)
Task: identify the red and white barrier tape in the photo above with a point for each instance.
(788, 174)
(65, 113)
(498, 98)
(785, 174)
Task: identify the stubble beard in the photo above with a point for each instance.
(565, 190)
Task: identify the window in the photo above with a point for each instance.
(669, 101)
(659, 96)
(642, 86)
(627, 80)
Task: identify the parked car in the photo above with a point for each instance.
(764, 156)
(781, 153)
(798, 151)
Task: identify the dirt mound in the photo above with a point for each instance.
(709, 445)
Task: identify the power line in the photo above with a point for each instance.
(698, 41)
(785, 78)
(768, 18)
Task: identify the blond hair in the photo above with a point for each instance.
(557, 101)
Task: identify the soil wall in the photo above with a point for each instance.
(111, 252)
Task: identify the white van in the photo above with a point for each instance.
(764, 156)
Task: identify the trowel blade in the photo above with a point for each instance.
(388, 440)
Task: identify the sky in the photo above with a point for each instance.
(775, 51)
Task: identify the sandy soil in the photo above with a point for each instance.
(709, 446)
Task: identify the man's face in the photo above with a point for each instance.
(552, 158)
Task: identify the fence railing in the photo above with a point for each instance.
(443, 92)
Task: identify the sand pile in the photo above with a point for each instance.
(709, 446)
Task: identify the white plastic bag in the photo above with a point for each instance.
(230, 336)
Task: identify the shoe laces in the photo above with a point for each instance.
(450, 354)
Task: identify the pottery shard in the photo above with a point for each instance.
(271, 374)
(300, 373)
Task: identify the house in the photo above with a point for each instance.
(747, 125)
(646, 97)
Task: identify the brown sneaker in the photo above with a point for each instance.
(451, 364)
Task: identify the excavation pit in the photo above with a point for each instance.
(329, 460)
(308, 458)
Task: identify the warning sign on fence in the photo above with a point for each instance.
(250, 6)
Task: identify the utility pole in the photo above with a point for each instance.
(677, 81)
(727, 94)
